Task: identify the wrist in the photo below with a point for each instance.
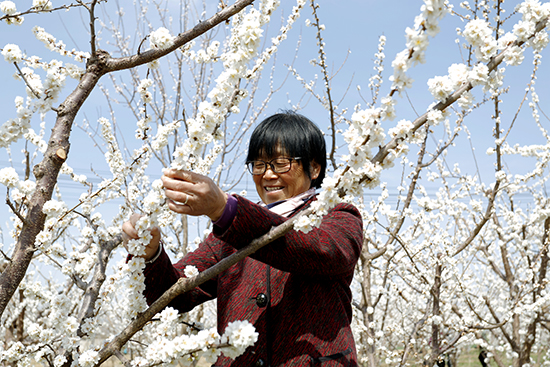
(219, 212)
(156, 255)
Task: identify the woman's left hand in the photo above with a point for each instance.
(193, 194)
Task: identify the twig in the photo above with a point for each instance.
(6, 257)
(92, 29)
(323, 65)
(26, 82)
(15, 211)
(37, 10)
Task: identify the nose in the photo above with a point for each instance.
(269, 174)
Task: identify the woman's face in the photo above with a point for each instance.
(273, 187)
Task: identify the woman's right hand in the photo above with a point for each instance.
(129, 232)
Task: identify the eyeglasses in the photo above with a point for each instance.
(277, 165)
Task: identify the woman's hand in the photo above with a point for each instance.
(129, 232)
(193, 194)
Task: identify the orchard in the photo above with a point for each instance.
(437, 129)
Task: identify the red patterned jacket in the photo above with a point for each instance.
(295, 291)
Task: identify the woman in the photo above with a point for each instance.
(296, 290)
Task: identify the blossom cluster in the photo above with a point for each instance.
(9, 8)
(143, 90)
(55, 218)
(9, 177)
(276, 41)
(188, 348)
(12, 53)
(209, 54)
(203, 129)
(163, 133)
(426, 24)
(19, 189)
(41, 93)
(51, 323)
(441, 87)
(479, 34)
(42, 4)
(376, 80)
(161, 39)
(58, 46)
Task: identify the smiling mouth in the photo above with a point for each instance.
(273, 188)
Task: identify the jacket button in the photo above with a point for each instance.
(260, 362)
(261, 301)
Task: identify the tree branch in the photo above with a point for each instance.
(186, 284)
(180, 40)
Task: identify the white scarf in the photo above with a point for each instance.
(287, 207)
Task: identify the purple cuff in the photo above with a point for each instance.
(228, 213)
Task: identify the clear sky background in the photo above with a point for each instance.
(352, 31)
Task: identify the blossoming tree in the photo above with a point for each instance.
(439, 272)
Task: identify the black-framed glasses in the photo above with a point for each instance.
(277, 165)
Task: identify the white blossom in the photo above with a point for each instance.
(476, 32)
(440, 87)
(191, 271)
(240, 334)
(12, 53)
(401, 130)
(42, 4)
(88, 358)
(161, 38)
(514, 56)
(8, 7)
(9, 177)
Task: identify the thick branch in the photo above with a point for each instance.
(180, 40)
(46, 173)
(186, 284)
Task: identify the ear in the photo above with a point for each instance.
(314, 170)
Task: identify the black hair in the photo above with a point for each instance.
(296, 136)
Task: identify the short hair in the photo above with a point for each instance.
(296, 136)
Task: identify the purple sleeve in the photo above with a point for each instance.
(228, 214)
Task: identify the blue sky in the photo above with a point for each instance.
(351, 36)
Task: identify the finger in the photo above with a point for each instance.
(182, 175)
(155, 232)
(128, 229)
(178, 208)
(134, 218)
(125, 237)
(179, 197)
(176, 184)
